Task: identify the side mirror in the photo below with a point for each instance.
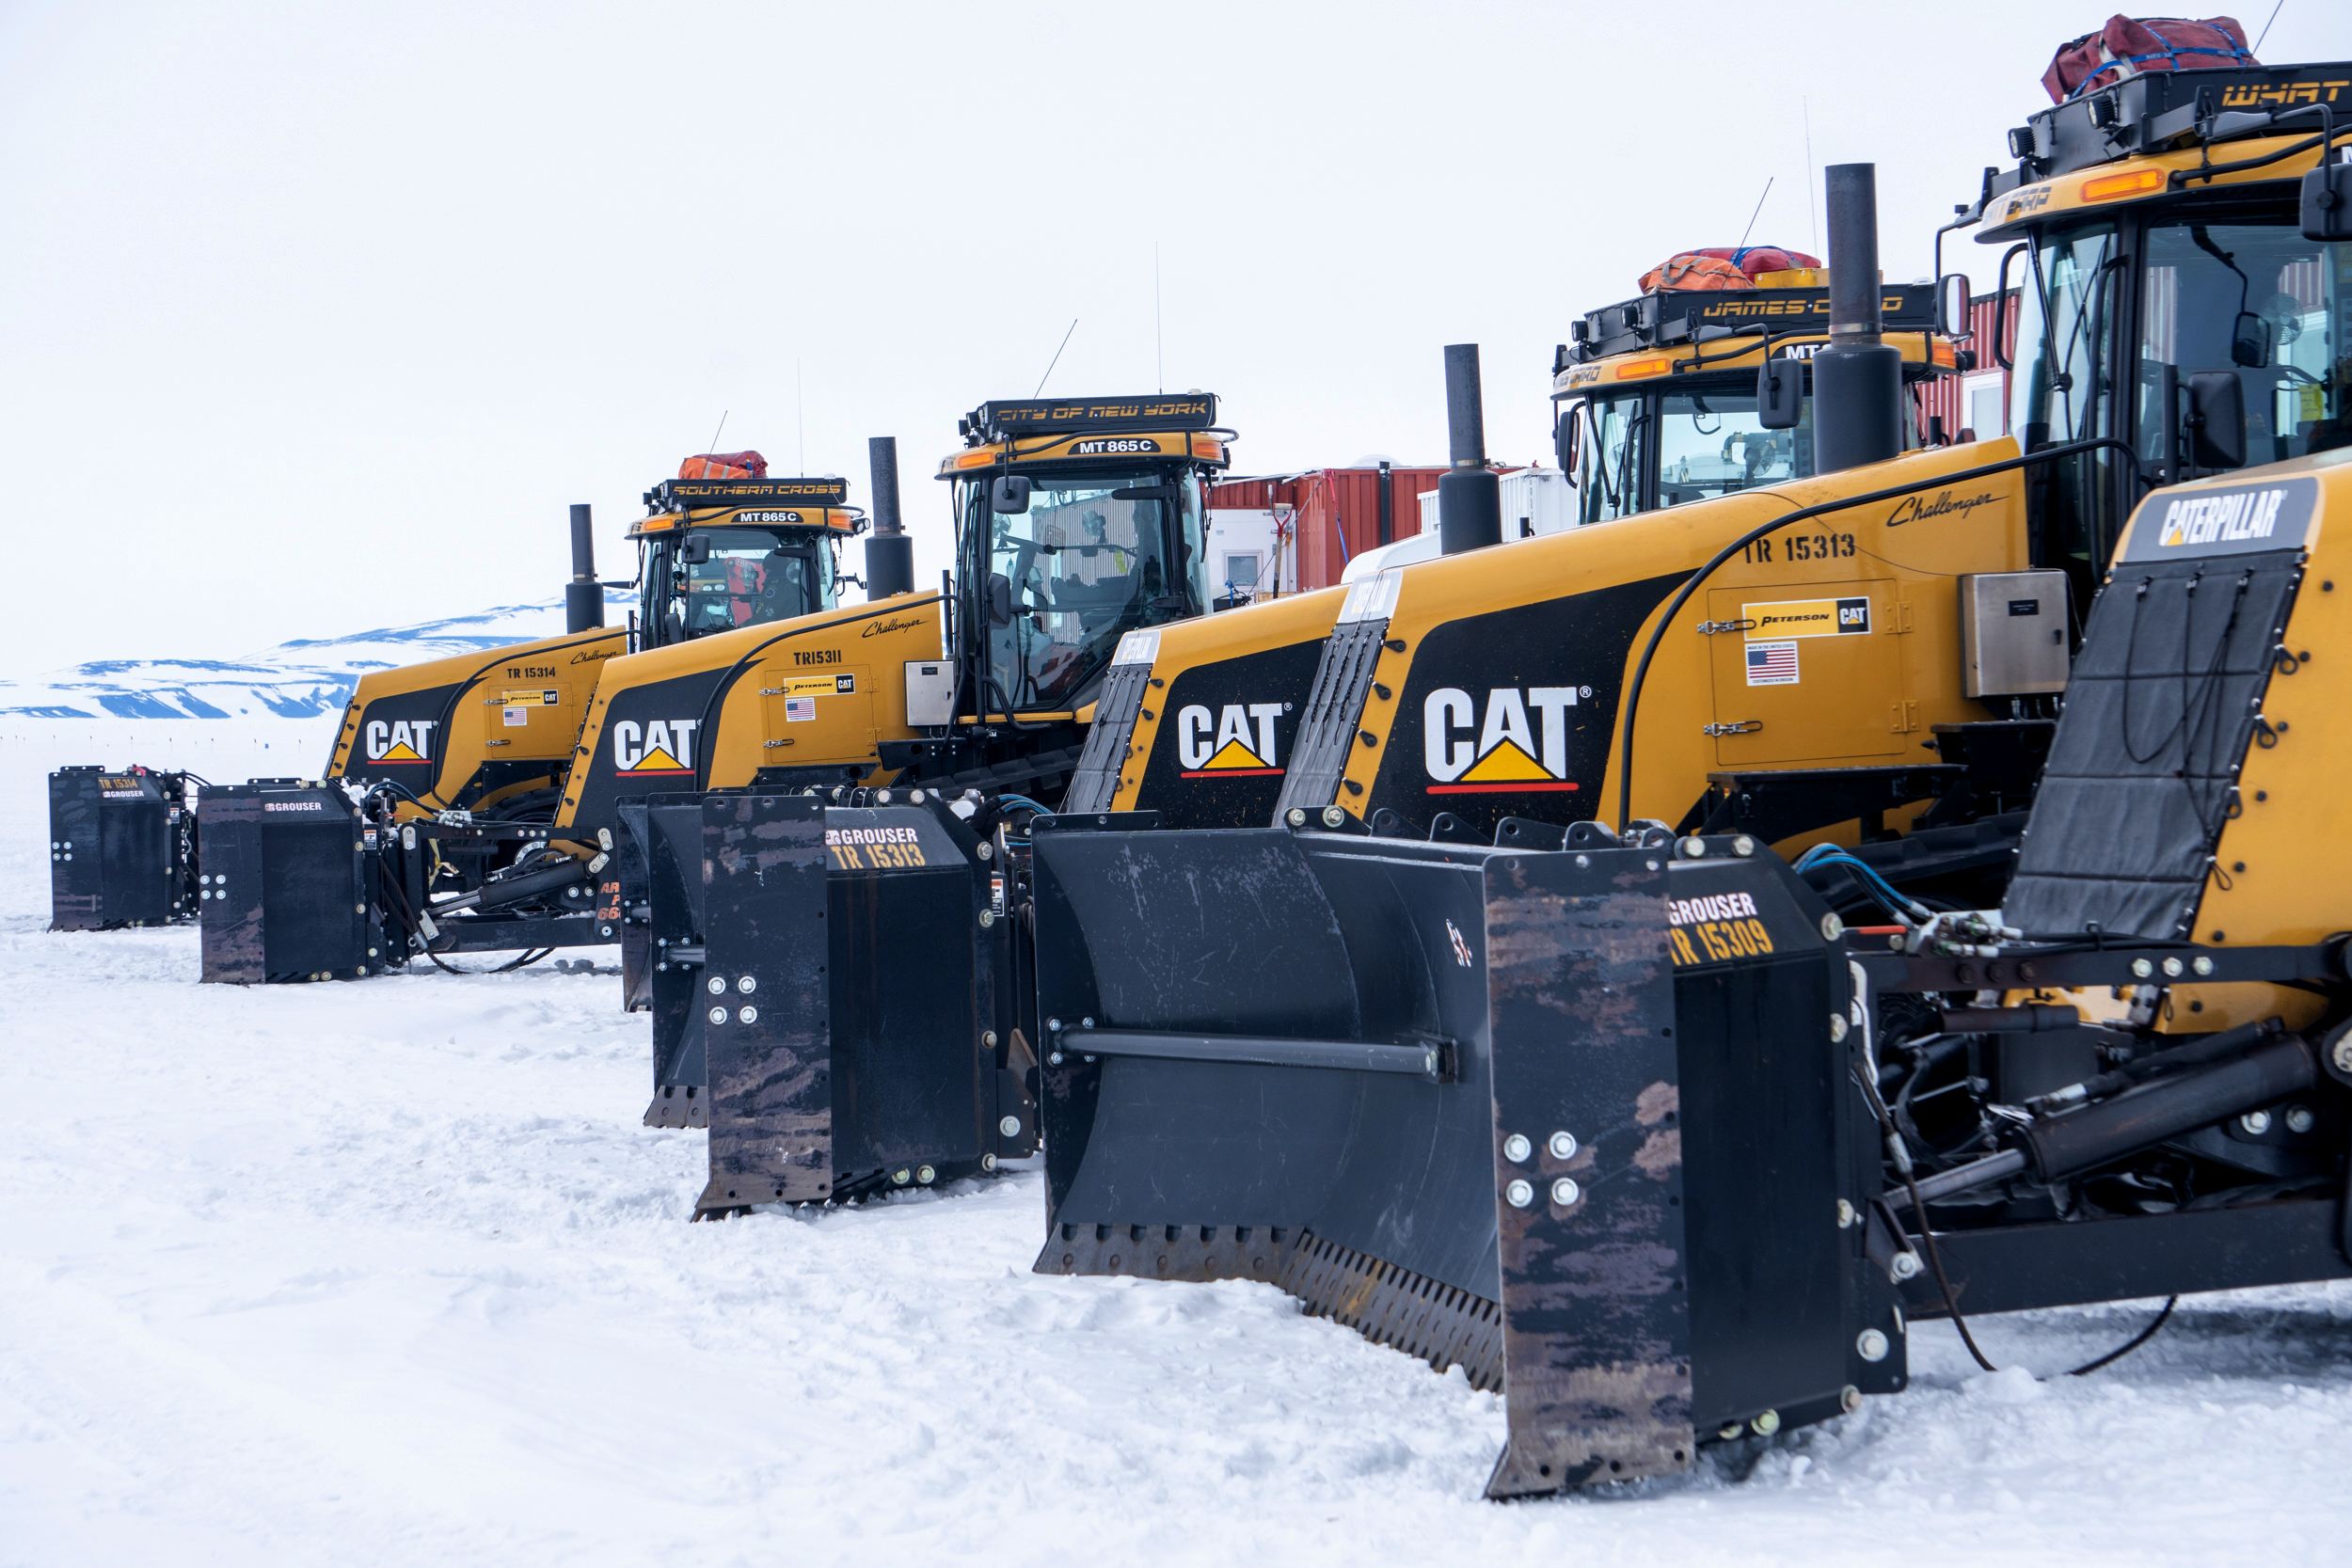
(2249, 341)
(1568, 441)
(1009, 493)
(2216, 420)
(2328, 203)
(1953, 305)
(697, 550)
(1780, 394)
(999, 599)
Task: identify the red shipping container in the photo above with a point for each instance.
(1253, 495)
(1339, 516)
(1946, 397)
(1336, 515)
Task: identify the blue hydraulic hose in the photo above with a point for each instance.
(1879, 888)
(1024, 800)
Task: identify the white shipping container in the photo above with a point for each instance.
(1245, 552)
(1535, 501)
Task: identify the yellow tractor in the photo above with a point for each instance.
(1077, 522)
(910, 731)
(1557, 1072)
(432, 831)
(1473, 689)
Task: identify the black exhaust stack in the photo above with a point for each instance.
(1857, 380)
(583, 596)
(889, 553)
(1469, 497)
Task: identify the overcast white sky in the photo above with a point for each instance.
(316, 316)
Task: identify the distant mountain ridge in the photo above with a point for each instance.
(301, 679)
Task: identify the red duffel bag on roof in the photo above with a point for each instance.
(724, 464)
(2128, 46)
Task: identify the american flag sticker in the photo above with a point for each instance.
(1771, 663)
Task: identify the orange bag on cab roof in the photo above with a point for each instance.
(1723, 268)
(724, 464)
(1692, 269)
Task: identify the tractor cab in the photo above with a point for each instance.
(717, 555)
(1077, 522)
(2180, 282)
(1658, 394)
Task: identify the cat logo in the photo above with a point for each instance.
(1806, 618)
(1231, 746)
(655, 749)
(1506, 754)
(405, 741)
(2226, 517)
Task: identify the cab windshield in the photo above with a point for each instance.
(2214, 284)
(1094, 558)
(1707, 441)
(2257, 299)
(1710, 443)
(748, 576)
(2061, 388)
(1608, 462)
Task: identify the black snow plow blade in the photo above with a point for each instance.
(1446, 1095)
(830, 996)
(300, 883)
(123, 849)
(285, 893)
(1242, 1031)
(1602, 1123)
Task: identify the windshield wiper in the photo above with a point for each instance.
(1624, 487)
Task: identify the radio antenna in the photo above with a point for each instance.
(1159, 338)
(714, 435)
(1057, 360)
(799, 412)
(1753, 216)
(2265, 32)
(1804, 108)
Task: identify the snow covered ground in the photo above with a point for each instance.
(386, 1272)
